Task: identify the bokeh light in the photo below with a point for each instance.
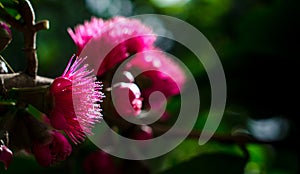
(269, 129)
(108, 8)
(170, 3)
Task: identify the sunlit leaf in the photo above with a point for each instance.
(14, 13)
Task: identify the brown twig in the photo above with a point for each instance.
(29, 32)
(228, 139)
(21, 80)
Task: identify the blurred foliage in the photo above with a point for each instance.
(257, 42)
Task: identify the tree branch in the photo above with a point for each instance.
(159, 129)
(21, 80)
(228, 139)
(29, 32)
(29, 29)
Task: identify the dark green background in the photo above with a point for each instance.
(257, 42)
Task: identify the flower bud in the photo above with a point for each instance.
(24, 129)
(100, 162)
(127, 99)
(5, 35)
(144, 133)
(56, 150)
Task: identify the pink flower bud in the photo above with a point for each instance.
(6, 155)
(5, 35)
(57, 149)
(163, 72)
(142, 133)
(145, 133)
(127, 99)
(61, 85)
(100, 162)
(158, 73)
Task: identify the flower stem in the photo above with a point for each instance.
(228, 139)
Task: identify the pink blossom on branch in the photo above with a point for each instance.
(83, 33)
(125, 37)
(76, 101)
(115, 39)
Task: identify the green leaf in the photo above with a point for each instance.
(9, 3)
(14, 13)
(214, 163)
(188, 150)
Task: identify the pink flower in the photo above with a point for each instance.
(115, 39)
(57, 149)
(100, 162)
(5, 27)
(6, 155)
(76, 101)
(83, 33)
